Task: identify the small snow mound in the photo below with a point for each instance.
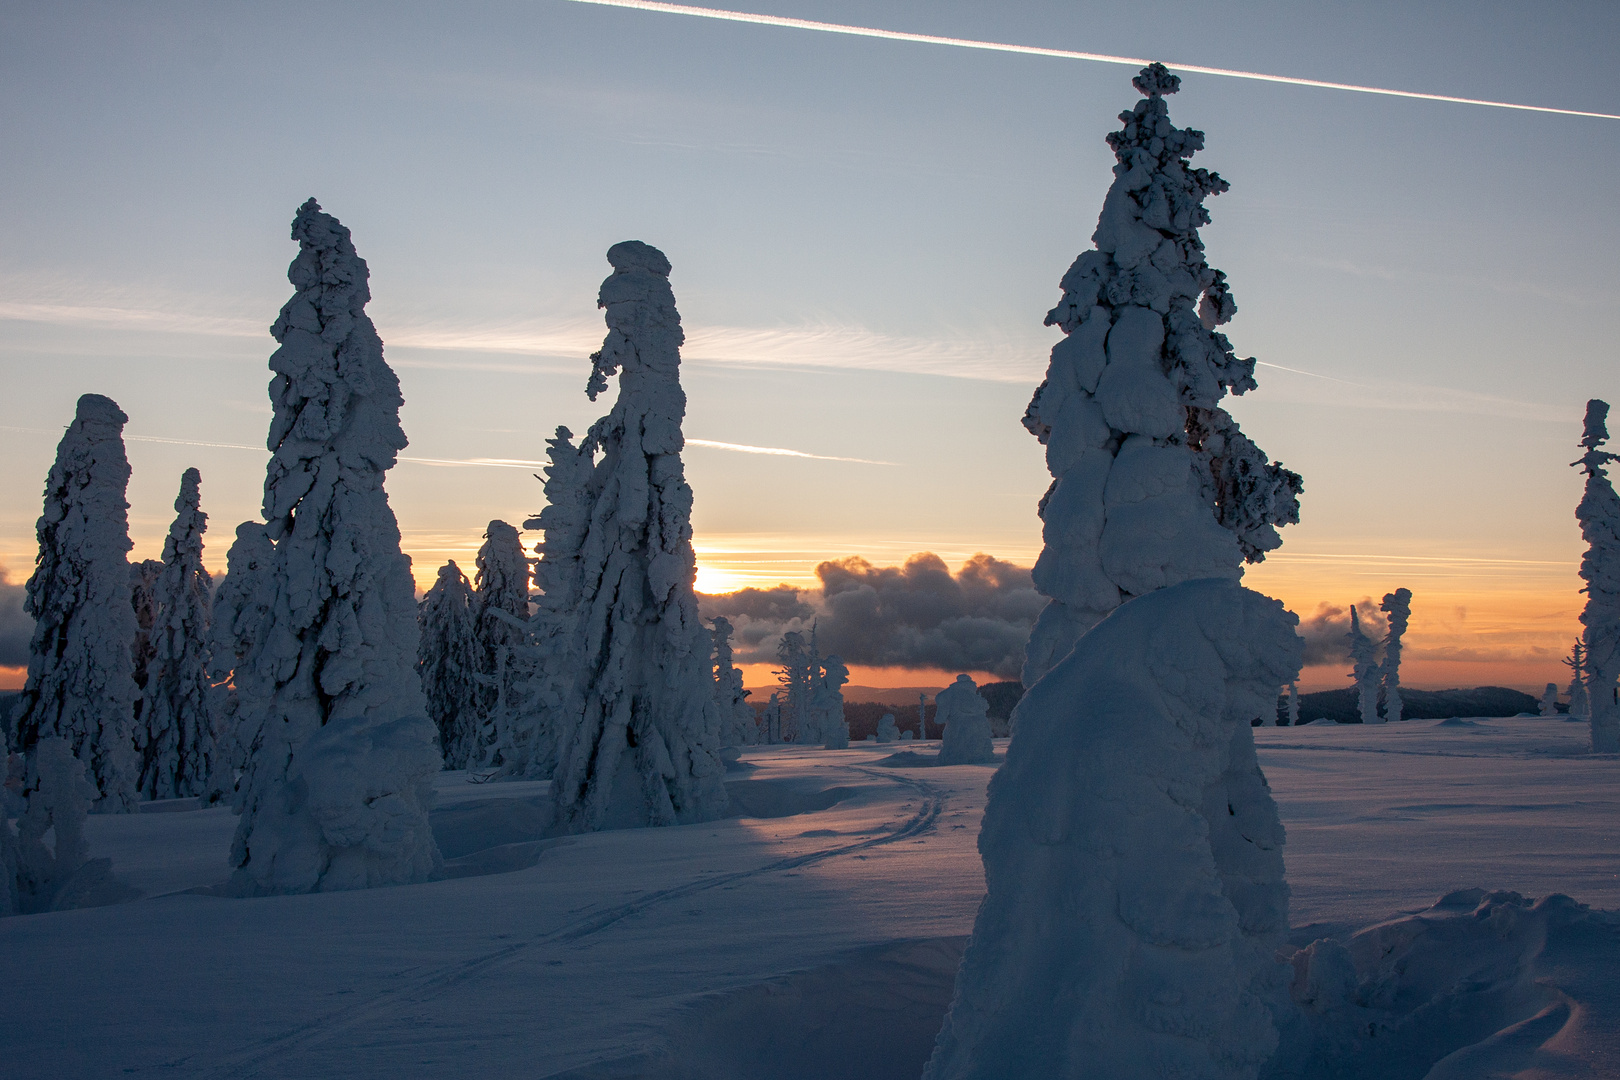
(779, 798)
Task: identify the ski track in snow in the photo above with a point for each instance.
(253, 1060)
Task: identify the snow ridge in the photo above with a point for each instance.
(1153, 483)
(638, 733)
(340, 754)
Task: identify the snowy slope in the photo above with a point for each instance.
(816, 944)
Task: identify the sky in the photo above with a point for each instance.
(866, 236)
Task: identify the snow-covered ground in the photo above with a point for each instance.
(817, 936)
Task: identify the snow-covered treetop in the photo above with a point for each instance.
(1398, 605)
(1595, 434)
(330, 376)
(184, 541)
(644, 330)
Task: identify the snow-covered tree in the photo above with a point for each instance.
(771, 720)
(1548, 705)
(81, 684)
(1579, 702)
(827, 704)
(1133, 856)
(448, 660)
(1599, 515)
(964, 714)
(341, 754)
(1365, 668)
(922, 717)
(143, 579)
(501, 621)
(180, 749)
(1153, 483)
(34, 877)
(887, 730)
(239, 626)
(1293, 703)
(1398, 606)
(737, 724)
(638, 740)
(801, 667)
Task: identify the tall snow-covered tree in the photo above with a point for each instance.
(964, 714)
(180, 747)
(638, 737)
(339, 777)
(1153, 483)
(81, 684)
(887, 730)
(1579, 703)
(501, 621)
(827, 704)
(922, 715)
(143, 580)
(1293, 703)
(1365, 668)
(1398, 606)
(1599, 515)
(1132, 851)
(801, 667)
(737, 724)
(239, 626)
(1548, 705)
(448, 660)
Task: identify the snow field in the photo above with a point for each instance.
(824, 943)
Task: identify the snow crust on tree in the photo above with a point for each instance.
(448, 660)
(964, 714)
(737, 725)
(179, 731)
(341, 755)
(1599, 515)
(1579, 702)
(1153, 483)
(887, 730)
(1398, 606)
(827, 704)
(1133, 856)
(1365, 669)
(501, 622)
(81, 684)
(638, 734)
(1548, 705)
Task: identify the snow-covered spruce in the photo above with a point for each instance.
(801, 667)
(1153, 483)
(1398, 606)
(81, 684)
(1579, 703)
(501, 622)
(1293, 703)
(341, 755)
(827, 704)
(448, 661)
(737, 724)
(1365, 669)
(1599, 515)
(179, 752)
(922, 717)
(964, 714)
(771, 718)
(34, 877)
(1133, 856)
(887, 730)
(240, 688)
(143, 579)
(1548, 705)
(639, 740)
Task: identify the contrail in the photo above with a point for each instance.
(778, 451)
(1062, 54)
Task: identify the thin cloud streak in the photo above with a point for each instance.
(1062, 54)
(778, 451)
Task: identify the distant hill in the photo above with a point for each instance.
(1343, 705)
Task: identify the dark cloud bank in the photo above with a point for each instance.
(919, 615)
(16, 625)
